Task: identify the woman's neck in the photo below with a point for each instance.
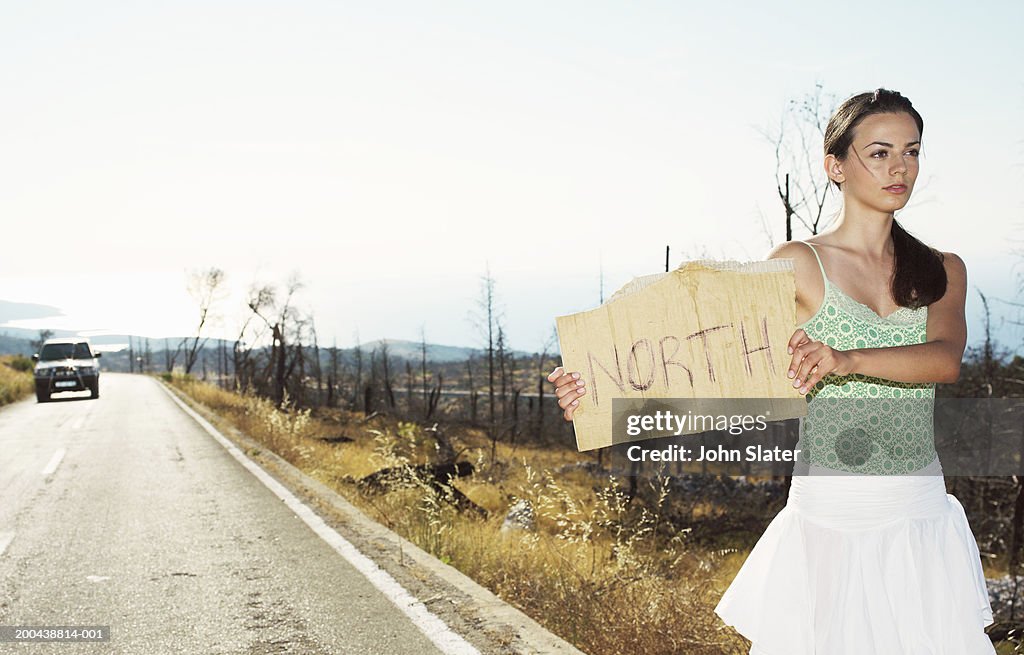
(865, 231)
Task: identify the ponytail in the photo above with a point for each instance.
(920, 277)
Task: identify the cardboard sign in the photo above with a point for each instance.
(707, 330)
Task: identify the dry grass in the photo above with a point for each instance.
(15, 380)
(609, 576)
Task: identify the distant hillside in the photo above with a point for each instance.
(21, 311)
(106, 339)
(435, 353)
(18, 341)
(14, 346)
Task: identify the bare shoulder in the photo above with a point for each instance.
(804, 261)
(956, 276)
(795, 250)
(955, 266)
(809, 284)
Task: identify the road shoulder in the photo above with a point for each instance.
(474, 612)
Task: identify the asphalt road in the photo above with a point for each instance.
(122, 512)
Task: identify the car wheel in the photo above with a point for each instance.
(42, 396)
(94, 390)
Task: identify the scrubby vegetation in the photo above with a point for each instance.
(15, 378)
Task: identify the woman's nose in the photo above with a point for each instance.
(899, 164)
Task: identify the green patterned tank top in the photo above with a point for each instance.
(864, 424)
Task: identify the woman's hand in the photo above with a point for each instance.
(568, 388)
(813, 360)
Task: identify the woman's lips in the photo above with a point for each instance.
(896, 188)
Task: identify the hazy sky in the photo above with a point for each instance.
(391, 151)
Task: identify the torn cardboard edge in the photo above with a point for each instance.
(753, 267)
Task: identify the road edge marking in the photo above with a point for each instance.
(436, 630)
(5, 540)
(54, 462)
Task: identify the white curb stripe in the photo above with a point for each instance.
(5, 540)
(54, 462)
(428, 623)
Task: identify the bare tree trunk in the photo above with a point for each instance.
(502, 374)
(435, 396)
(389, 392)
(408, 387)
(236, 352)
(203, 286)
(514, 428)
(316, 361)
(489, 312)
(427, 400)
(279, 364)
(472, 391)
(368, 394)
(300, 385)
(333, 380)
(358, 354)
(368, 400)
(789, 212)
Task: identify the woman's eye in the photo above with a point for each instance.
(914, 153)
(880, 152)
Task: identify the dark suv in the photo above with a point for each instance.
(66, 365)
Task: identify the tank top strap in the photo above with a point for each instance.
(820, 266)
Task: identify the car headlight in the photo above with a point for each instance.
(86, 370)
(43, 372)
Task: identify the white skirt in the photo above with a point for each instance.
(863, 565)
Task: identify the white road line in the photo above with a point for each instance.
(54, 462)
(78, 424)
(428, 623)
(5, 541)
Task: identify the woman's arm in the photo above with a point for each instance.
(939, 358)
(936, 360)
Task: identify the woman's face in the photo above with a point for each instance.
(881, 164)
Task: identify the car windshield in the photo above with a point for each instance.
(55, 351)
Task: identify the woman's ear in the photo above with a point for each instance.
(834, 169)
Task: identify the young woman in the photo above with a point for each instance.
(870, 555)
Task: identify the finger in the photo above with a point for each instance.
(795, 364)
(570, 410)
(569, 381)
(820, 364)
(825, 363)
(569, 393)
(813, 375)
(798, 351)
(799, 336)
(808, 357)
(555, 373)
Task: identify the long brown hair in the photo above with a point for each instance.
(920, 277)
